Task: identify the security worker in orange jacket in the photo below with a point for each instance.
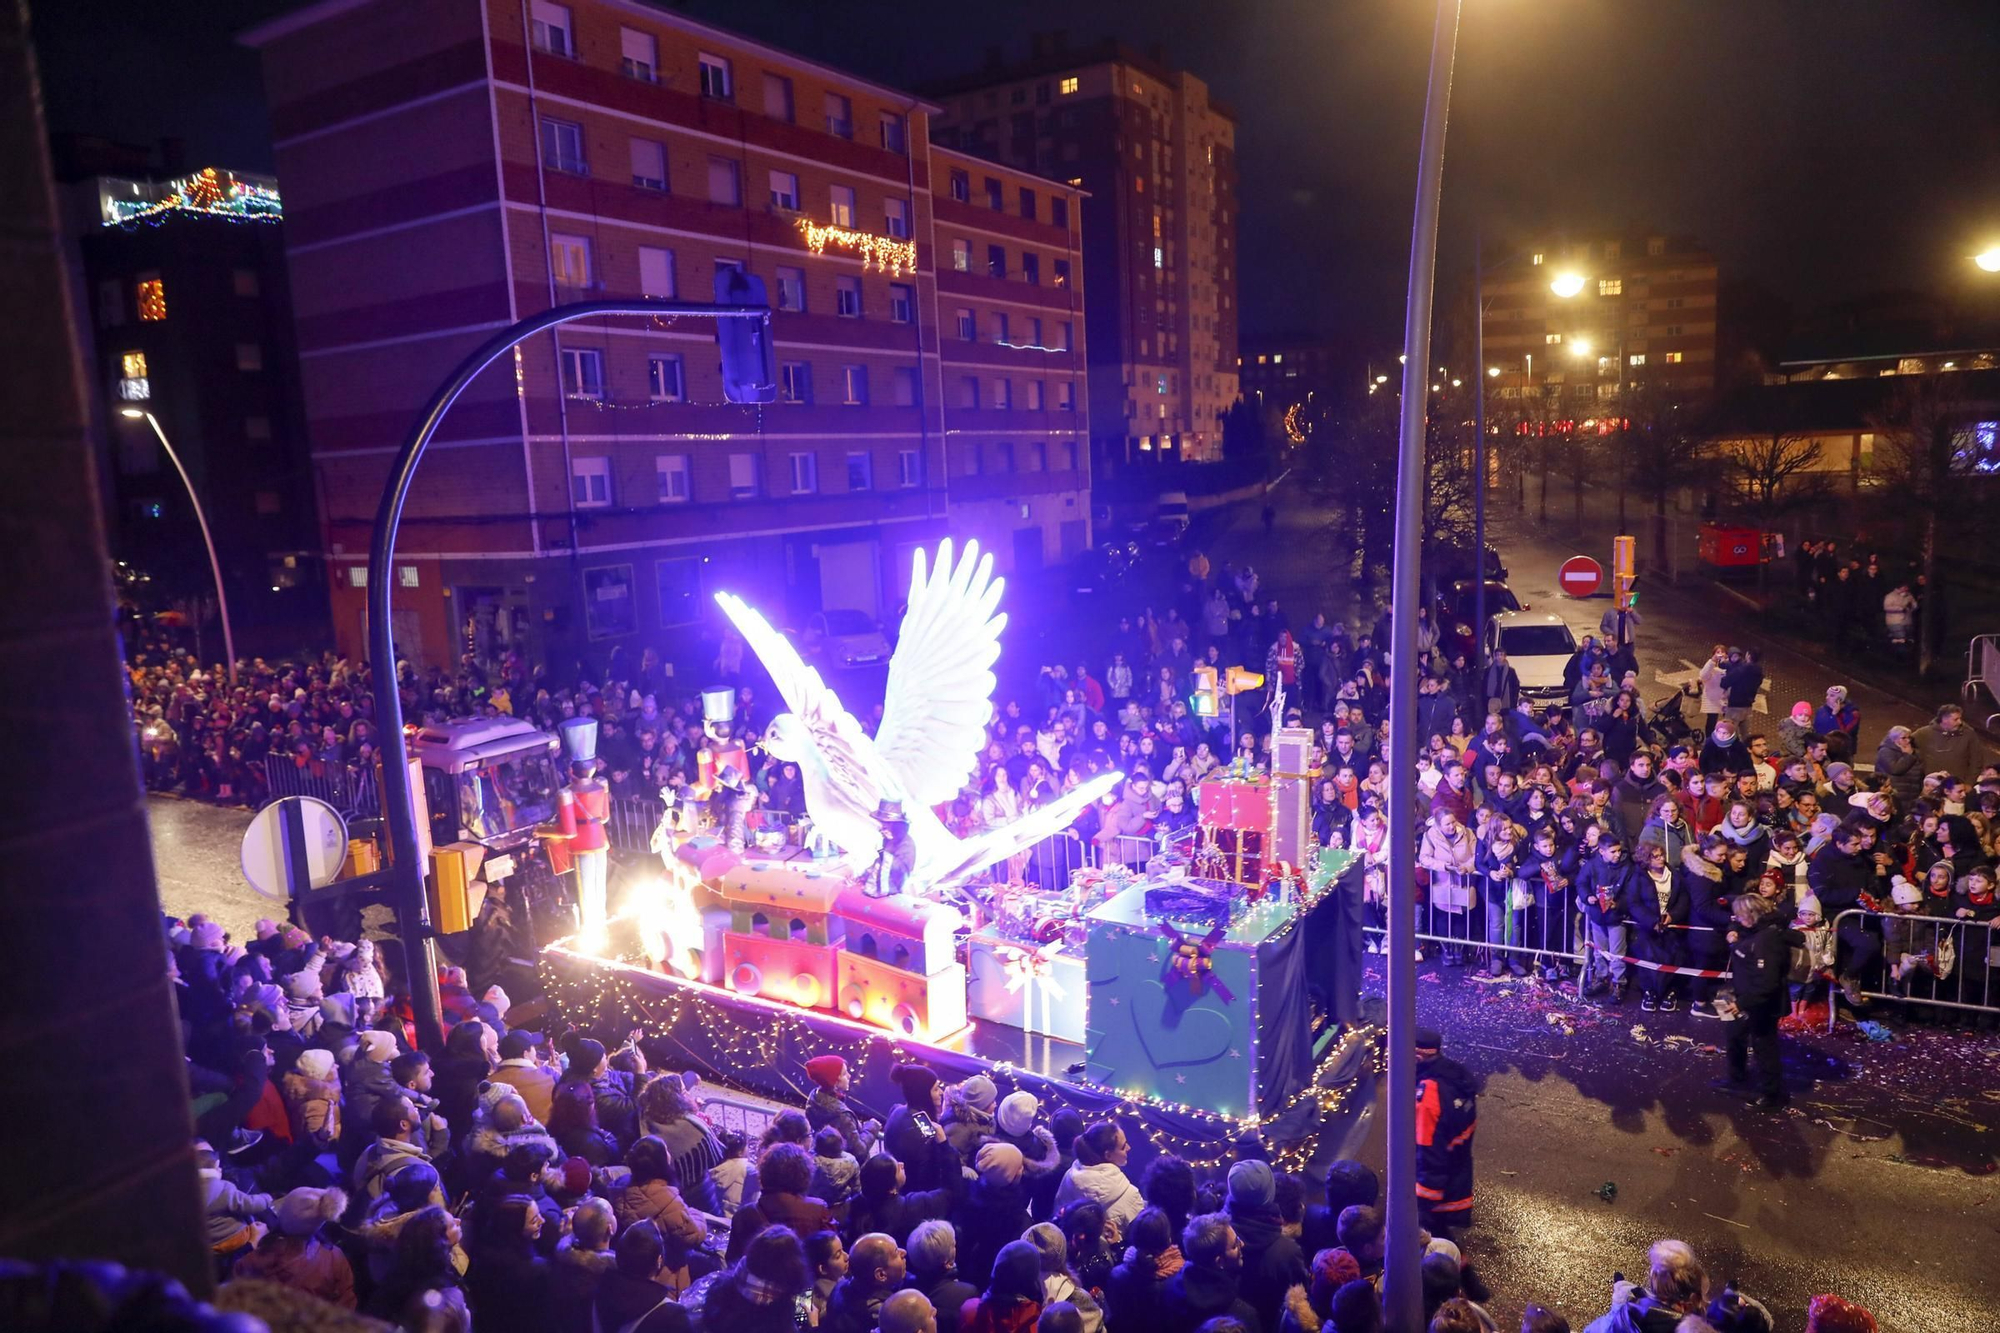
(1447, 1115)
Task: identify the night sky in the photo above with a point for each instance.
(1823, 148)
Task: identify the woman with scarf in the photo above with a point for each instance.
(1739, 827)
(1132, 1294)
(756, 1294)
(1660, 913)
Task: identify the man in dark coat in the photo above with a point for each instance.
(933, 1260)
(1759, 961)
(1447, 1115)
(1272, 1260)
(876, 1269)
(1209, 1285)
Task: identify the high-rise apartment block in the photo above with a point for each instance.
(1156, 158)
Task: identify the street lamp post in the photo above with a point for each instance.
(207, 538)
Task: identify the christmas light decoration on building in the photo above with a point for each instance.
(1295, 423)
(210, 192)
(886, 253)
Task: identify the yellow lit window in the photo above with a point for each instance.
(1538, 259)
(133, 364)
(1067, 86)
(152, 299)
(1674, 358)
(1552, 338)
(1262, 359)
(1610, 286)
(1637, 358)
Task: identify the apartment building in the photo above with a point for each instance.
(1157, 158)
(1578, 320)
(461, 164)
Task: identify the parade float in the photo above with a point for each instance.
(1196, 994)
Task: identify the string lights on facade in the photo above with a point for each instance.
(885, 253)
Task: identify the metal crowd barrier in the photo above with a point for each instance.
(1982, 670)
(632, 820)
(349, 788)
(1927, 960)
(1458, 917)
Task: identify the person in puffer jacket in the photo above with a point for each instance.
(1447, 852)
(312, 1099)
(1099, 1176)
(1675, 1287)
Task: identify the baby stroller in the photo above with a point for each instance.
(1668, 726)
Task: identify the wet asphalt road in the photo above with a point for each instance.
(197, 856)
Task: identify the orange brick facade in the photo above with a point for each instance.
(450, 168)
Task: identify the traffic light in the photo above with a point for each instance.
(1237, 680)
(749, 364)
(1206, 701)
(1624, 577)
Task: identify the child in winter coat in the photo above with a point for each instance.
(312, 1099)
(733, 1181)
(233, 1215)
(836, 1175)
(968, 1114)
(1812, 965)
(297, 1256)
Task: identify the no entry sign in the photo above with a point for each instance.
(1580, 576)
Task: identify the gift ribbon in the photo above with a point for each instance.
(1194, 960)
(1025, 967)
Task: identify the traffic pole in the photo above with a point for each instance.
(1402, 1282)
(1479, 452)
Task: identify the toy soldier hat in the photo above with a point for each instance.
(890, 811)
(579, 740)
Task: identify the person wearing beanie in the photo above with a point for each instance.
(1012, 1300)
(828, 1106)
(968, 1114)
(295, 1255)
(366, 1082)
(1447, 1111)
(615, 1091)
(1014, 1123)
(1059, 1282)
(995, 1210)
(1208, 1287)
(1273, 1263)
(1138, 1283)
(312, 1099)
(920, 1144)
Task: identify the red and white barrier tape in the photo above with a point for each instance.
(1651, 966)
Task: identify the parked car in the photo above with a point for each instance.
(1455, 562)
(1457, 616)
(848, 638)
(1538, 645)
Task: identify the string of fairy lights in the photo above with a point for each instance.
(208, 193)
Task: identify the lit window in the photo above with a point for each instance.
(672, 473)
(133, 385)
(805, 474)
(785, 190)
(562, 147)
(1552, 338)
(664, 380)
(552, 29)
(1610, 286)
(1675, 358)
(1000, 327)
(1159, 257)
(569, 259)
(854, 385)
(583, 372)
(717, 80)
(847, 293)
(649, 164)
(961, 255)
(795, 383)
(1061, 268)
(590, 482)
(656, 271)
(1262, 359)
(791, 289)
(1067, 87)
(1636, 359)
(841, 206)
(1277, 358)
(152, 299)
(640, 52)
(1537, 261)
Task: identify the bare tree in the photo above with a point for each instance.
(1775, 472)
(1924, 452)
(1662, 453)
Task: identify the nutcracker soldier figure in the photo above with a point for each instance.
(577, 839)
(722, 769)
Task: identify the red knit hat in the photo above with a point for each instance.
(1835, 1314)
(826, 1070)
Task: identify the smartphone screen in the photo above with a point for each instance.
(924, 1123)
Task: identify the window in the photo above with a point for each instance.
(1069, 456)
(909, 468)
(906, 386)
(671, 473)
(1675, 358)
(609, 609)
(1065, 335)
(847, 297)
(1003, 457)
(1061, 267)
(840, 206)
(860, 472)
(854, 385)
(1159, 257)
(1613, 249)
(792, 289)
(785, 190)
(725, 181)
(552, 29)
(968, 391)
(1038, 457)
(649, 164)
(133, 384)
(996, 197)
(1065, 396)
(778, 97)
(896, 218)
(583, 372)
(961, 187)
(151, 300)
(717, 79)
(562, 147)
(746, 476)
(1035, 331)
(1031, 268)
(679, 583)
(967, 328)
(961, 255)
(795, 381)
(972, 459)
(1656, 245)
(1001, 327)
(996, 261)
(1003, 393)
(1672, 331)
(656, 271)
(1027, 203)
(1675, 303)
(902, 303)
(665, 381)
(111, 301)
(1611, 286)
(1636, 359)
(805, 474)
(590, 482)
(357, 576)
(839, 116)
(1067, 87)
(1059, 211)
(244, 280)
(569, 259)
(640, 52)
(1552, 338)
(407, 577)
(894, 137)
(249, 356)
(1160, 383)
(1035, 392)
(1536, 259)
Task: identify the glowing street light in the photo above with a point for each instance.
(201, 519)
(1566, 285)
(1493, 372)
(1988, 260)
(1381, 379)
(1579, 347)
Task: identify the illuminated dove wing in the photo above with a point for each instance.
(995, 846)
(940, 690)
(844, 779)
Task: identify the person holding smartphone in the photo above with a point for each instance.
(913, 1135)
